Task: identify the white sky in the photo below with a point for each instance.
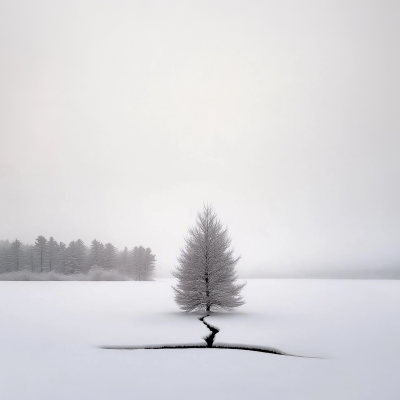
(119, 118)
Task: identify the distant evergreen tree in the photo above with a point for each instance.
(71, 261)
(62, 257)
(109, 256)
(41, 252)
(16, 256)
(150, 264)
(125, 256)
(29, 252)
(5, 256)
(52, 250)
(134, 264)
(96, 253)
(142, 263)
(81, 255)
(124, 260)
(76, 257)
(102, 258)
(47, 255)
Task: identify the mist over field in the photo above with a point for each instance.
(119, 119)
(199, 199)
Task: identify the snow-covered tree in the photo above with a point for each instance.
(134, 263)
(76, 260)
(48, 255)
(123, 260)
(142, 263)
(16, 255)
(41, 252)
(62, 257)
(52, 250)
(81, 255)
(96, 253)
(206, 271)
(110, 256)
(71, 261)
(149, 263)
(29, 252)
(5, 256)
(102, 260)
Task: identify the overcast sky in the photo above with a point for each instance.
(118, 119)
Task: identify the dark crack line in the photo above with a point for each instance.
(159, 347)
(211, 337)
(209, 345)
(201, 346)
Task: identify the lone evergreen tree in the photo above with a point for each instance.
(206, 271)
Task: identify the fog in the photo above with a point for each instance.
(119, 119)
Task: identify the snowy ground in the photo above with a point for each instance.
(50, 333)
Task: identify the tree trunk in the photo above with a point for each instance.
(207, 297)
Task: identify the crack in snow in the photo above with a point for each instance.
(211, 337)
(209, 344)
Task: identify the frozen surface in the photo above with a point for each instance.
(50, 332)
(354, 325)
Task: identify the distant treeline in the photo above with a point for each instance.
(76, 258)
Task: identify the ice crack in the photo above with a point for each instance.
(209, 339)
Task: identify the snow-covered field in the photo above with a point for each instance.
(50, 333)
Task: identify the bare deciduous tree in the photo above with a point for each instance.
(206, 271)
